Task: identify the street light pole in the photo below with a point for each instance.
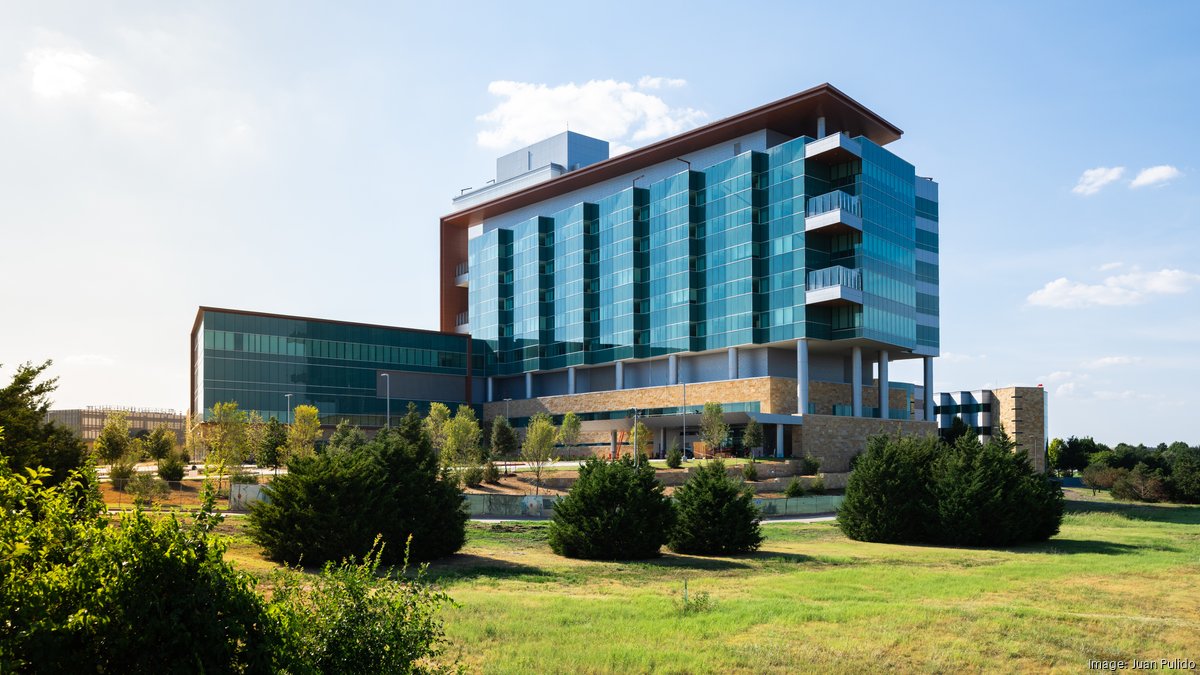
(289, 407)
(636, 450)
(684, 420)
(387, 380)
(506, 416)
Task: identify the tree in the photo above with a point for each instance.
(504, 440)
(274, 439)
(538, 447)
(715, 514)
(888, 496)
(1053, 451)
(958, 428)
(752, 436)
(435, 425)
(256, 434)
(31, 441)
(461, 439)
(568, 432)
(615, 511)
(713, 429)
(641, 440)
(302, 433)
(113, 441)
(333, 504)
(674, 456)
(160, 443)
(346, 437)
(171, 468)
(226, 438)
(1076, 453)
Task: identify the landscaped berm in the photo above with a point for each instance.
(1119, 582)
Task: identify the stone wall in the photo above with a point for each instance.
(835, 440)
(1021, 411)
(825, 395)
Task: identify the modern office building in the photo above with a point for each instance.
(776, 262)
(1020, 411)
(349, 371)
(87, 422)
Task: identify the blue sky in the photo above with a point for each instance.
(295, 157)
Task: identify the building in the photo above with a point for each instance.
(776, 261)
(271, 363)
(1020, 411)
(87, 422)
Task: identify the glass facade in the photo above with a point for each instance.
(256, 360)
(711, 258)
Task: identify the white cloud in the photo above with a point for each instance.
(1108, 267)
(1066, 390)
(1131, 288)
(618, 112)
(1056, 376)
(1093, 180)
(56, 73)
(1107, 361)
(647, 82)
(1155, 175)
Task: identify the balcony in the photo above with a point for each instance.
(834, 212)
(834, 286)
(833, 149)
(460, 274)
(462, 323)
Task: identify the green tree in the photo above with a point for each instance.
(161, 442)
(347, 437)
(226, 438)
(504, 439)
(957, 429)
(303, 433)
(31, 441)
(113, 441)
(1076, 453)
(888, 495)
(752, 436)
(713, 429)
(1053, 452)
(274, 441)
(569, 431)
(171, 468)
(674, 456)
(537, 450)
(461, 439)
(435, 425)
(715, 514)
(614, 511)
(641, 440)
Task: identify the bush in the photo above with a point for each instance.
(121, 470)
(490, 473)
(171, 467)
(146, 488)
(809, 465)
(715, 515)
(1142, 484)
(333, 505)
(750, 472)
(1101, 476)
(794, 489)
(614, 511)
(817, 486)
(472, 476)
(674, 456)
(920, 491)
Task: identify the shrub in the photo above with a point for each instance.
(715, 514)
(472, 476)
(614, 511)
(750, 471)
(146, 488)
(121, 470)
(817, 486)
(355, 618)
(171, 467)
(1141, 484)
(490, 473)
(674, 456)
(809, 465)
(1101, 476)
(917, 490)
(794, 489)
(333, 505)
(240, 476)
(1185, 476)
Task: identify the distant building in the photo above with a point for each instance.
(87, 422)
(1020, 411)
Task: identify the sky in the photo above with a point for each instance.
(295, 157)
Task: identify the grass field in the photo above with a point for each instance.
(1119, 582)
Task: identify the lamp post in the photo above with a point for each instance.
(636, 450)
(506, 416)
(387, 381)
(685, 420)
(289, 408)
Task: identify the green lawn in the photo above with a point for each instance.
(1119, 582)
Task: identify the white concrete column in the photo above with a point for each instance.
(883, 385)
(779, 441)
(491, 386)
(820, 127)
(733, 363)
(528, 385)
(571, 380)
(673, 369)
(801, 377)
(928, 388)
(661, 451)
(856, 382)
(620, 379)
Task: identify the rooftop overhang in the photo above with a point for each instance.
(795, 116)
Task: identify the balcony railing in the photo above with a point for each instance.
(835, 276)
(831, 201)
(461, 269)
(461, 319)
